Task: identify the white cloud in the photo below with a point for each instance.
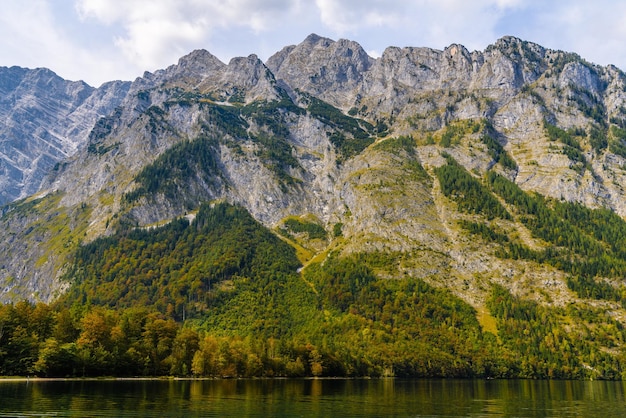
(32, 36)
(343, 17)
(100, 40)
(156, 32)
(434, 23)
(258, 15)
(153, 31)
(31, 25)
(100, 9)
(595, 30)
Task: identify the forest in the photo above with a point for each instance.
(221, 296)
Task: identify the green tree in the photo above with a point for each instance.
(158, 338)
(184, 347)
(56, 359)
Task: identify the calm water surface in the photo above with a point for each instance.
(313, 398)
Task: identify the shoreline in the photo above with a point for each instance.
(172, 378)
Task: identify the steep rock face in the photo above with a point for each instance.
(391, 209)
(326, 132)
(161, 110)
(200, 72)
(318, 63)
(43, 120)
(247, 80)
(188, 73)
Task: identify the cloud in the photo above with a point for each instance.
(148, 43)
(152, 34)
(608, 26)
(32, 24)
(344, 17)
(434, 23)
(100, 40)
(594, 30)
(33, 36)
(159, 31)
(150, 30)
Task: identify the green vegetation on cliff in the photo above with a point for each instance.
(169, 173)
(467, 191)
(221, 296)
(179, 268)
(585, 243)
(350, 135)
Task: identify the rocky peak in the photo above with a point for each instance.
(44, 84)
(516, 47)
(508, 42)
(190, 71)
(331, 70)
(582, 76)
(243, 79)
(411, 67)
(314, 39)
(457, 53)
(47, 81)
(246, 79)
(10, 78)
(200, 61)
(194, 68)
(248, 65)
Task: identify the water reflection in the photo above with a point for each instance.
(313, 398)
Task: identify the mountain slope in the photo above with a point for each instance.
(203, 130)
(495, 176)
(43, 120)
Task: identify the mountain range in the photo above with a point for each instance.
(485, 173)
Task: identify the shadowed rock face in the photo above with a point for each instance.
(43, 120)
(310, 132)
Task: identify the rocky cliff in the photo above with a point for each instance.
(43, 120)
(323, 132)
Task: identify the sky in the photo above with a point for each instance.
(104, 40)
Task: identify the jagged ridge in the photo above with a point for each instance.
(361, 147)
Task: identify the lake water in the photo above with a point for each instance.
(313, 398)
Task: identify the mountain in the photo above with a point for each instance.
(488, 184)
(44, 119)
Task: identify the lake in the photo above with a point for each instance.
(312, 398)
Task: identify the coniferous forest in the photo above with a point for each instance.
(219, 295)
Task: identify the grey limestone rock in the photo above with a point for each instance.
(270, 150)
(43, 120)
